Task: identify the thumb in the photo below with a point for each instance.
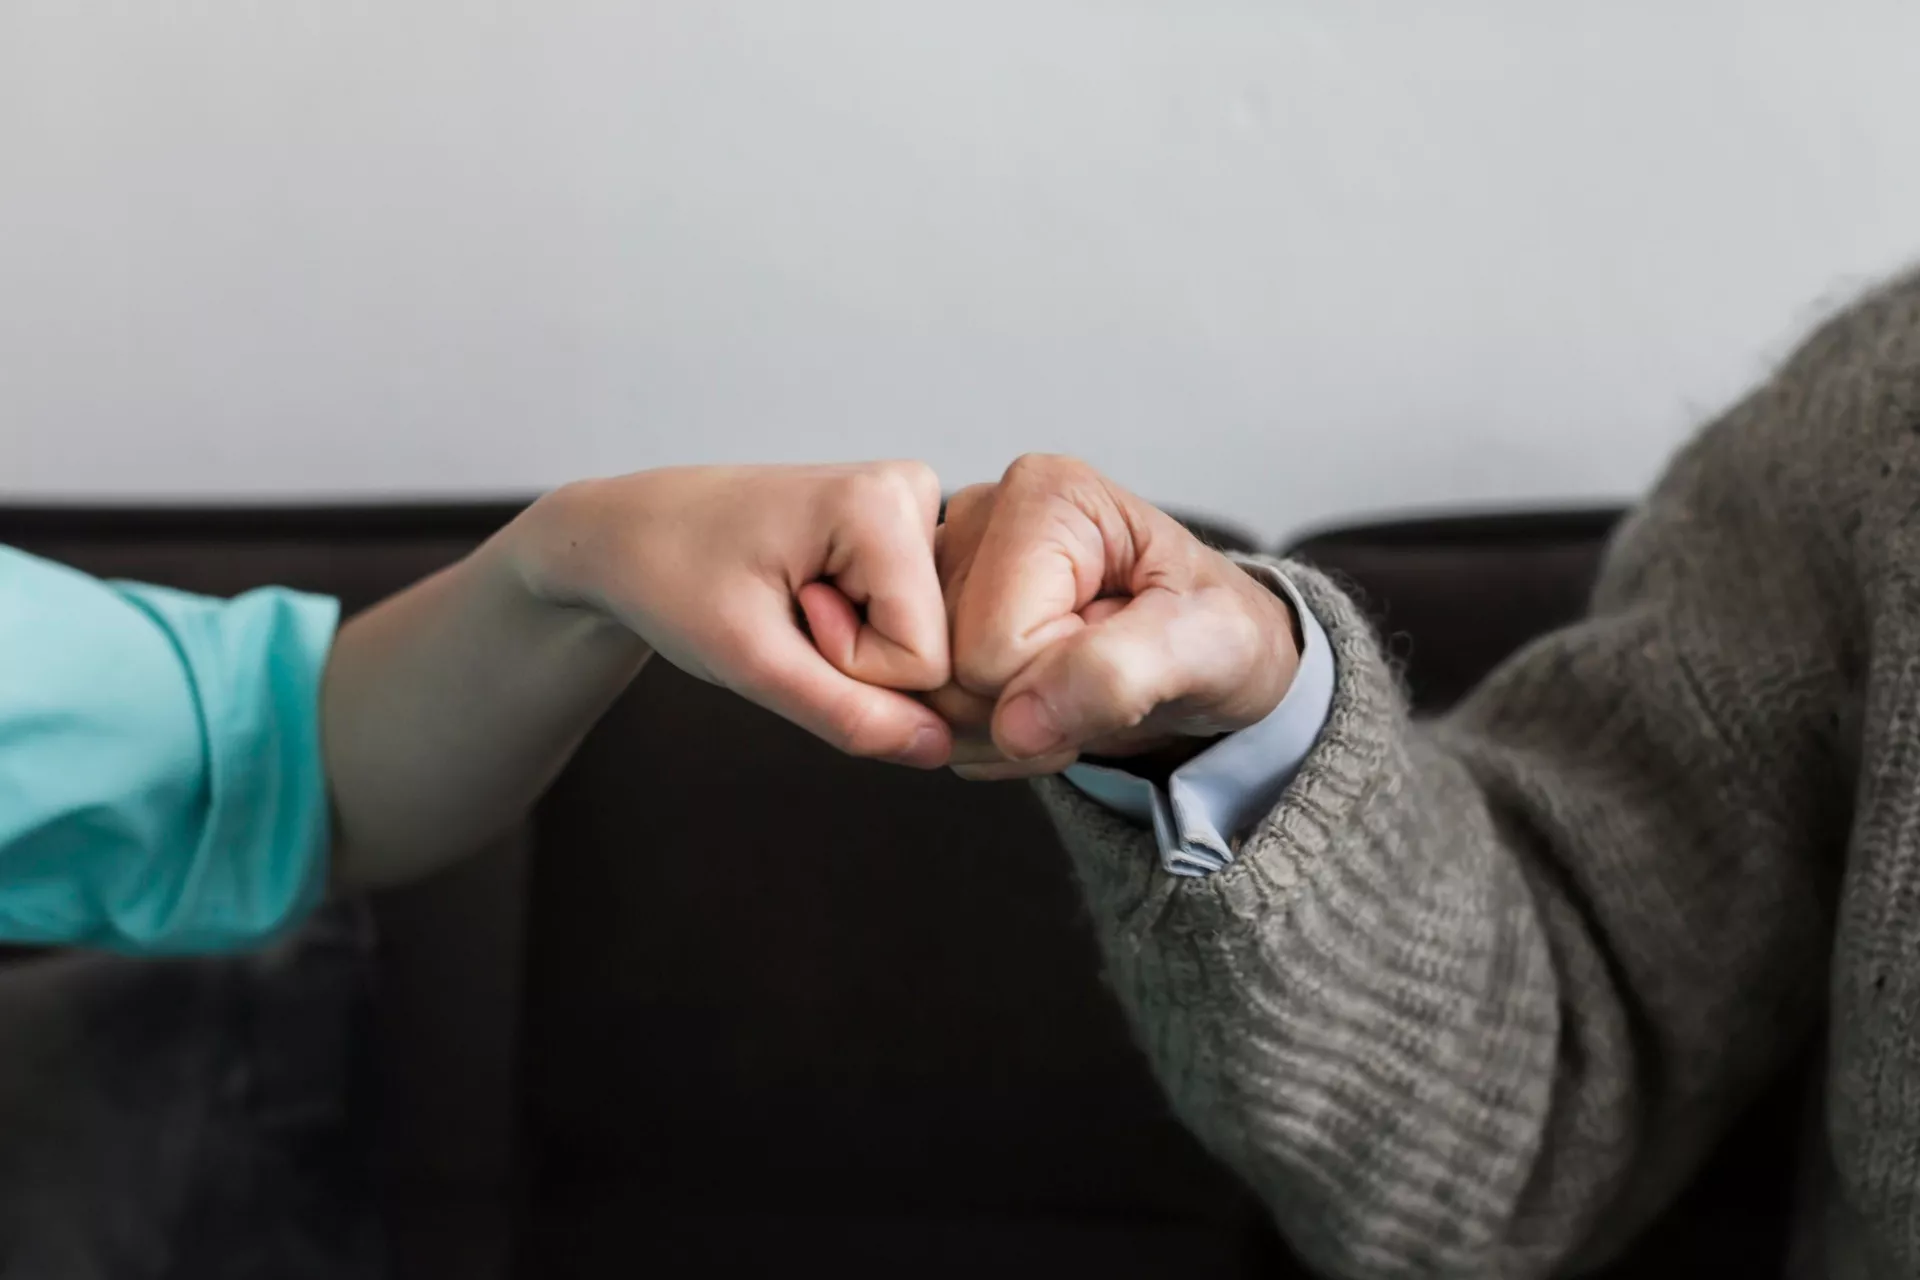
(1198, 661)
(1100, 680)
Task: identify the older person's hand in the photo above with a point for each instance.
(1086, 621)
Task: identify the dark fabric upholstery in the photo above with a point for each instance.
(596, 1240)
(851, 1015)
(889, 1034)
(445, 1025)
(733, 1004)
(1454, 596)
(824, 989)
(200, 1118)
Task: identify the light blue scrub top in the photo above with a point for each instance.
(162, 787)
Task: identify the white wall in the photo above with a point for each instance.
(1277, 260)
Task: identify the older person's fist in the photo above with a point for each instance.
(1085, 620)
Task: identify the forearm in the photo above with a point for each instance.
(1360, 1013)
(450, 707)
(1475, 999)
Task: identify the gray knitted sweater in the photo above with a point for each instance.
(1478, 995)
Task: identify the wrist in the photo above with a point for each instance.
(547, 548)
(545, 557)
(1277, 622)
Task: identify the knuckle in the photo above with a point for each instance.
(924, 673)
(856, 490)
(877, 498)
(979, 663)
(916, 479)
(1119, 687)
(1039, 468)
(1037, 477)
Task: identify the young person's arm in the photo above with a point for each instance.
(449, 708)
(185, 774)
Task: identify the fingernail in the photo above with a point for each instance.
(928, 750)
(1027, 728)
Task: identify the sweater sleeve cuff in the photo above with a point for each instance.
(1117, 859)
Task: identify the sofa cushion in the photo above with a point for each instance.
(603, 1236)
(445, 1024)
(189, 1118)
(770, 985)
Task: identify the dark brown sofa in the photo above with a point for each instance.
(730, 1003)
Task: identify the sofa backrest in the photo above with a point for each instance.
(1453, 595)
(725, 971)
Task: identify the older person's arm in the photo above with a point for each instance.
(1466, 999)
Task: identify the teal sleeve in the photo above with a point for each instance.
(162, 787)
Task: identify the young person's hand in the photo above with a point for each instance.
(449, 707)
(715, 569)
(1087, 621)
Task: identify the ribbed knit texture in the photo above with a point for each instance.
(1479, 995)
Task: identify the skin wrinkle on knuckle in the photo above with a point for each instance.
(1070, 489)
(1078, 540)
